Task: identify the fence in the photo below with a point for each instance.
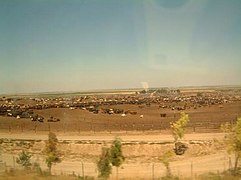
(2, 167)
(131, 170)
(198, 123)
(95, 127)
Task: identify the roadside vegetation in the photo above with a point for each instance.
(24, 160)
(233, 143)
(178, 131)
(109, 157)
(104, 164)
(178, 127)
(117, 157)
(51, 152)
(112, 156)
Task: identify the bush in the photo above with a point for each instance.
(24, 159)
(104, 163)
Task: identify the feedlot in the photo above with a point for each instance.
(86, 123)
(144, 112)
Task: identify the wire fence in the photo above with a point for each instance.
(148, 170)
(93, 127)
(198, 123)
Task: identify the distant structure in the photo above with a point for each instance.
(145, 86)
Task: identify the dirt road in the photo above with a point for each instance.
(109, 137)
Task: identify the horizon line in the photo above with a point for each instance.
(113, 90)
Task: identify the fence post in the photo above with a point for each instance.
(35, 128)
(13, 162)
(161, 127)
(153, 171)
(109, 128)
(83, 174)
(230, 162)
(191, 170)
(91, 125)
(5, 166)
(64, 128)
(224, 164)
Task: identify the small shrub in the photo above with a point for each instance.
(165, 159)
(37, 168)
(24, 159)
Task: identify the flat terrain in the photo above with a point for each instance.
(203, 119)
(86, 124)
(142, 153)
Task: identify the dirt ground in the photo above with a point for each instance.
(82, 134)
(142, 152)
(203, 119)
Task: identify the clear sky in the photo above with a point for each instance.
(74, 45)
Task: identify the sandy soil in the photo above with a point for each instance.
(142, 153)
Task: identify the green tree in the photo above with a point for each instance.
(178, 127)
(233, 141)
(52, 155)
(117, 157)
(165, 159)
(104, 163)
(24, 159)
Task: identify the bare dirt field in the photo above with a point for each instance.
(203, 119)
(144, 129)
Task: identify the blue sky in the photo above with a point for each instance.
(74, 45)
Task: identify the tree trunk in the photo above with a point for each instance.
(236, 163)
(116, 172)
(169, 174)
(50, 167)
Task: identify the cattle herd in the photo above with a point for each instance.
(169, 100)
